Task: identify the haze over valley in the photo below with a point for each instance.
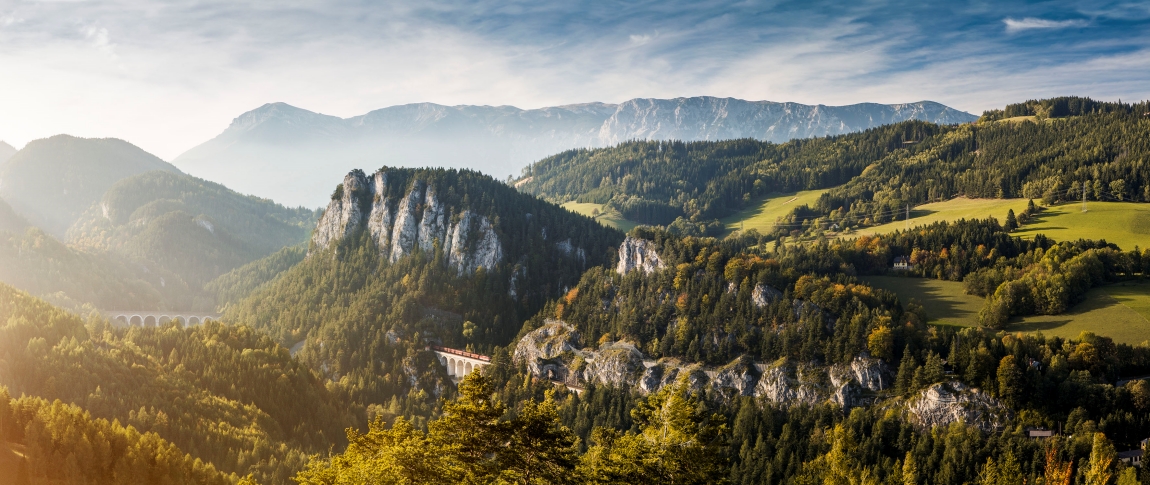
(835, 287)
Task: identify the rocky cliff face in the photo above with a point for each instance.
(948, 402)
(406, 220)
(639, 254)
(552, 352)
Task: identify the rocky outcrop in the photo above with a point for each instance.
(640, 254)
(619, 364)
(778, 386)
(738, 377)
(949, 402)
(408, 219)
(540, 348)
(552, 352)
(764, 295)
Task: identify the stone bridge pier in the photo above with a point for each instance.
(459, 363)
(150, 318)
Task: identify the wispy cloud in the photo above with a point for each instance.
(1031, 23)
(169, 75)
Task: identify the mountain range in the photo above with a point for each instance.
(52, 181)
(294, 155)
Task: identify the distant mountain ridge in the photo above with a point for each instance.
(6, 151)
(50, 182)
(295, 155)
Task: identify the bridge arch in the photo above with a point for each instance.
(193, 321)
(136, 321)
(149, 321)
(181, 321)
(467, 370)
(164, 319)
(122, 319)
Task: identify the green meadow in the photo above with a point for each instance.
(1120, 311)
(763, 215)
(606, 217)
(1126, 224)
(951, 210)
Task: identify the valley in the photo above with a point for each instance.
(731, 311)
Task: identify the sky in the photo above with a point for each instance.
(169, 75)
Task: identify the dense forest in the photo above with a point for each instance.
(363, 321)
(227, 395)
(188, 226)
(1067, 147)
(321, 372)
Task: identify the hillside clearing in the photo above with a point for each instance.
(1126, 224)
(951, 210)
(762, 216)
(605, 216)
(1120, 311)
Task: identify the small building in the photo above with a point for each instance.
(1132, 457)
(1038, 433)
(902, 263)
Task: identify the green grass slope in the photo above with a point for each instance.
(951, 210)
(52, 181)
(762, 217)
(605, 215)
(1126, 224)
(1119, 311)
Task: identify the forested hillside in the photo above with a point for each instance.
(52, 181)
(10, 221)
(363, 314)
(708, 302)
(224, 394)
(53, 442)
(188, 226)
(1059, 147)
(83, 281)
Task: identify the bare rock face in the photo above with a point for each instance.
(871, 374)
(738, 377)
(637, 253)
(619, 364)
(780, 388)
(848, 395)
(541, 348)
(764, 295)
(948, 402)
(400, 223)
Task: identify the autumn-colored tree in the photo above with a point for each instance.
(1100, 469)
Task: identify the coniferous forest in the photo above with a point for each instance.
(677, 353)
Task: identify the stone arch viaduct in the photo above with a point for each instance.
(459, 363)
(151, 318)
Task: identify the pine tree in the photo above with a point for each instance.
(904, 381)
(1011, 221)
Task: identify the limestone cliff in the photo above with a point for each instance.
(948, 402)
(552, 352)
(640, 254)
(404, 217)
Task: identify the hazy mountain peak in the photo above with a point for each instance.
(294, 155)
(6, 151)
(51, 181)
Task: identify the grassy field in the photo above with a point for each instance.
(1126, 224)
(1120, 311)
(944, 301)
(952, 210)
(609, 219)
(763, 215)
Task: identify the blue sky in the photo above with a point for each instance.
(169, 75)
